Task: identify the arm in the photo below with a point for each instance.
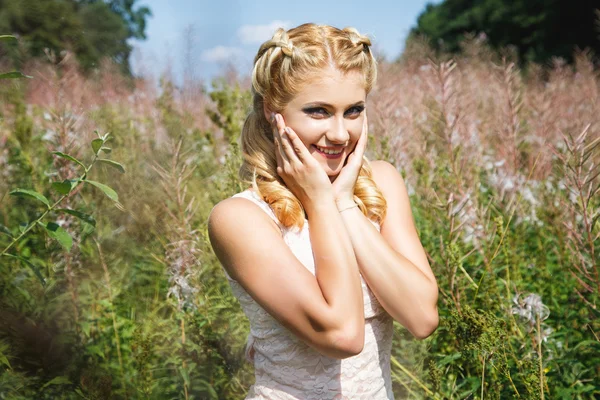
(250, 247)
(393, 262)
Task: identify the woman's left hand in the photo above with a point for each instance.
(343, 186)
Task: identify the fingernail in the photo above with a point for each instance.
(288, 130)
(272, 116)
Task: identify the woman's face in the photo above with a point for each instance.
(328, 116)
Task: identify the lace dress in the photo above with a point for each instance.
(286, 368)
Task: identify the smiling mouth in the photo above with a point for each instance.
(329, 153)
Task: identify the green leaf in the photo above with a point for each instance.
(55, 231)
(68, 157)
(23, 226)
(113, 164)
(107, 150)
(88, 219)
(13, 75)
(97, 144)
(59, 380)
(87, 230)
(4, 360)
(34, 269)
(449, 359)
(65, 186)
(94, 349)
(7, 38)
(106, 189)
(5, 230)
(185, 375)
(30, 193)
(86, 328)
(591, 343)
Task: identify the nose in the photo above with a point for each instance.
(338, 133)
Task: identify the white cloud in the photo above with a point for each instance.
(251, 34)
(221, 53)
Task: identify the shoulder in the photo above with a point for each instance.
(237, 230)
(236, 214)
(393, 188)
(387, 177)
(382, 167)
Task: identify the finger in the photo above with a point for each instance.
(356, 158)
(286, 144)
(278, 156)
(364, 135)
(279, 151)
(288, 147)
(299, 148)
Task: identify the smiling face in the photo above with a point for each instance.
(328, 116)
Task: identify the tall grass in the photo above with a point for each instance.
(502, 170)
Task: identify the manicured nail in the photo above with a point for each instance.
(288, 130)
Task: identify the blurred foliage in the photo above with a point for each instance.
(139, 307)
(91, 29)
(539, 29)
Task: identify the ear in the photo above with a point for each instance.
(268, 113)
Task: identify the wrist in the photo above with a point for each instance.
(321, 205)
(349, 207)
(344, 202)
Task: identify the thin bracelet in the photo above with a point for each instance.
(347, 208)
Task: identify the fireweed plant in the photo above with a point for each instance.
(501, 166)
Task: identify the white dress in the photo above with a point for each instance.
(286, 368)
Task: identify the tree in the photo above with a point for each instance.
(539, 29)
(91, 29)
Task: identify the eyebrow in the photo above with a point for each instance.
(327, 105)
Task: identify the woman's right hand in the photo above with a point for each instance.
(299, 170)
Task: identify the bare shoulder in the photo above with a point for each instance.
(387, 177)
(236, 212)
(391, 183)
(234, 224)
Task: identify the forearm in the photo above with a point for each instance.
(403, 290)
(336, 267)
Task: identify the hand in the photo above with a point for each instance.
(343, 185)
(299, 170)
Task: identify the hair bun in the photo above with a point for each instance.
(357, 39)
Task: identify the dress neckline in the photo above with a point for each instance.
(256, 195)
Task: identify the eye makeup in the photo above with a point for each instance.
(320, 109)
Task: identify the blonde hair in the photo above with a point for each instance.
(282, 66)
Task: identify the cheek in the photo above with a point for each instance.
(309, 131)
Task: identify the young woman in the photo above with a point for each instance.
(321, 250)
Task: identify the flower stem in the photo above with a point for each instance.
(483, 378)
(539, 350)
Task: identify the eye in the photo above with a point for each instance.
(355, 111)
(317, 111)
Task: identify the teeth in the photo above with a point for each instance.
(326, 151)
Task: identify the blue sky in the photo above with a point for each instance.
(230, 31)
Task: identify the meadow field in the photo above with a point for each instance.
(109, 288)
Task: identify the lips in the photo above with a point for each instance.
(329, 152)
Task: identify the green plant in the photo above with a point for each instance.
(64, 189)
(13, 74)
